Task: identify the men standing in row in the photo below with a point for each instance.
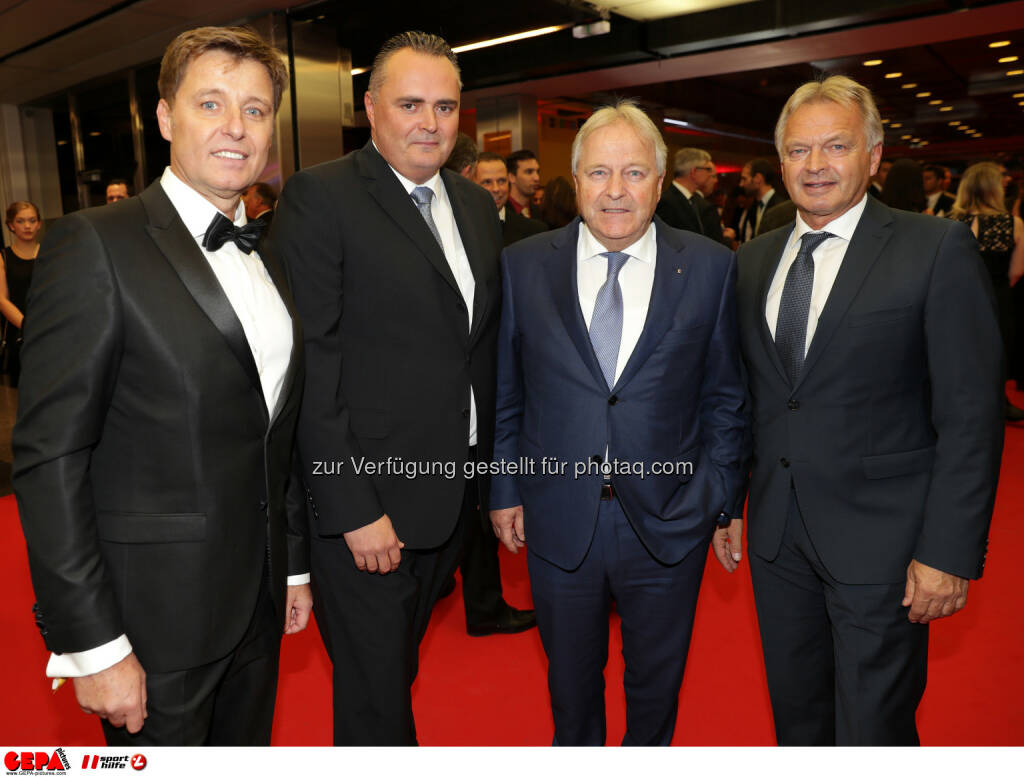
(259, 200)
(873, 355)
(758, 178)
(395, 268)
(683, 205)
(152, 454)
(523, 178)
(492, 174)
(617, 351)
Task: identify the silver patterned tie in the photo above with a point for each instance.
(606, 323)
(791, 326)
(422, 195)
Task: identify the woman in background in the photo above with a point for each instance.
(558, 207)
(22, 219)
(980, 204)
(904, 187)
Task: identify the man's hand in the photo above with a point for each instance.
(297, 608)
(117, 694)
(375, 547)
(508, 527)
(932, 593)
(727, 544)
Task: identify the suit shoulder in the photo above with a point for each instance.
(330, 170)
(715, 252)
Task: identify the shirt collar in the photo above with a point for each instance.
(194, 209)
(502, 213)
(686, 192)
(767, 196)
(645, 249)
(843, 226)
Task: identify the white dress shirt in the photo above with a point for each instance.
(444, 219)
(828, 258)
(267, 327)
(762, 207)
(636, 279)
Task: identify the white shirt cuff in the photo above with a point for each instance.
(298, 579)
(89, 661)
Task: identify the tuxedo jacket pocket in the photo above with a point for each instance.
(151, 528)
(890, 465)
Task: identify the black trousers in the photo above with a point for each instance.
(372, 625)
(481, 573)
(844, 665)
(224, 703)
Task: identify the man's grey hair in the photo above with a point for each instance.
(688, 158)
(836, 89)
(420, 42)
(627, 111)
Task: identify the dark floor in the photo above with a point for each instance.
(8, 412)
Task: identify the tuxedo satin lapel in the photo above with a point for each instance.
(670, 282)
(867, 244)
(180, 249)
(769, 258)
(561, 269)
(277, 275)
(469, 233)
(389, 193)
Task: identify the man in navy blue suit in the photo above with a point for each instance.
(619, 399)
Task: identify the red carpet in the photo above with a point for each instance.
(492, 691)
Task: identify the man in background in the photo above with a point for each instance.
(492, 174)
(523, 178)
(118, 189)
(259, 200)
(683, 205)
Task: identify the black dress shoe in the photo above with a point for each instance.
(508, 621)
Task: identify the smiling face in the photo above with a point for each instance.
(493, 176)
(617, 185)
(826, 161)
(415, 114)
(220, 126)
(25, 225)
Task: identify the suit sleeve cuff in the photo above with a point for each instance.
(89, 661)
(298, 579)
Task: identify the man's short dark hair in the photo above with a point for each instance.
(490, 156)
(463, 154)
(513, 159)
(768, 168)
(420, 42)
(266, 193)
(120, 182)
(937, 170)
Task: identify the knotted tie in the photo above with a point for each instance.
(606, 323)
(221, 230)
(791, 326)
(422, 195)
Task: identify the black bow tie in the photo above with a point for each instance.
(221, 230)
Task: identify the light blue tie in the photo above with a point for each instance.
(422, 195)
(606, 323)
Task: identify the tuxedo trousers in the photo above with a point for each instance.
(224, 703)
(844, 664)
(372, 625)
(655, 603)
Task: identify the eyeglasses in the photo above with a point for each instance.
(707, 169)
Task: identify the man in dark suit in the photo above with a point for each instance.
(940, 203)
(259, 200)
(682, 205)
(873, 355)
(395, 270)
(759, 179)
(492, 174)
(161, 384)
(619, 383)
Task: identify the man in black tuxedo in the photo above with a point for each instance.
(759, 179)
(873, 360)
(940, 203)
(395, 269)
(259, 200)
(682, 205)
(152, 454)
(492, 174)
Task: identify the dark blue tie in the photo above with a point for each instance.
(791, 326)
(606, 323)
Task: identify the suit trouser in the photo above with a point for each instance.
(481, 574)
(655, 602)
(227, 702)
(844, 665)
(372, 625)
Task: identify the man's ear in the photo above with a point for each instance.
(163, 118)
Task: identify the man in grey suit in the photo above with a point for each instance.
(874, 374)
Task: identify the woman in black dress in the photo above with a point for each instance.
(16, 275)
(980, 203)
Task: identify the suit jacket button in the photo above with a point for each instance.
(597, 459)
(465, 412)
(784, 462)
(612, 399)
(263, 505)
(793, 404)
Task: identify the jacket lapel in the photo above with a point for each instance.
(179, 248)
(868, 242)
(469, 233)
(770, 258)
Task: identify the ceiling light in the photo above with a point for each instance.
(895, 126)
(885, 121)
(954, 124)
(923, 94)
(1004, 60)
(1015, 72)
(946, 108)
(935, 102)
(893, 75)
(95, 134)
(908, 86)
(871, 62)
(998, 44)
(924, 143)
(977, 134)
(905, 137)
(510, 38)
(1018, 95)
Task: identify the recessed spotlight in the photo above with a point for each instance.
(954, 124)
(871, 62)
(935, 102)
(977, 134)
(905, 137)
(1004, 60)
(1015, 72)
(909, 86)
(945, 108)
(924, 143)
(885, 121)
(923, 94)
(1021, 102)
(893, 75)
(1018, 95)
(895, 126)
(95, 134)
(998, 44)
